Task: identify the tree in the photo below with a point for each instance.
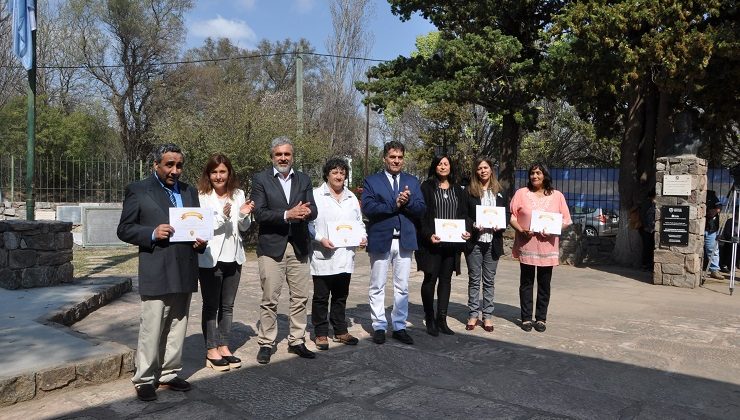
(124, 46)
(12, 75)
(647, 62)
(488, 54)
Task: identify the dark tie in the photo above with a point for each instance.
(171, 195)
(395, 185)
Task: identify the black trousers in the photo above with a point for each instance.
(444, 275)
(526, 284)
(218, 286)
(336, 285)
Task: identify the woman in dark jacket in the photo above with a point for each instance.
(444, 200)
(485, 246)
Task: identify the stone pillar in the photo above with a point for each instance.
(681, 265)
(35, 254)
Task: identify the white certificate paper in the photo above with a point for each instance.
(191, 223)
(344, 234)
(449, 230)
(550, 223)
(490, 217)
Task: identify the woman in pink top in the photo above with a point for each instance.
(536, 251)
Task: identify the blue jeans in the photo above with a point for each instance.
(481, 266)
(711, 252)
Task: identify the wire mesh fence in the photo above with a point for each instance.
(104, 181)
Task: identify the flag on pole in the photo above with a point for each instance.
(24, 22)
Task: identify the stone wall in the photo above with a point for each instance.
(17, 210)
(681, 265)
(35, 254)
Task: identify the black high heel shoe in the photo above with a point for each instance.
(220, 365)
(234, 362)
(431, 326)
(442, 325)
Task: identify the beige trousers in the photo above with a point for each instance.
(272, 275)
(162, 328)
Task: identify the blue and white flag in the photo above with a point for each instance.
(24, 22)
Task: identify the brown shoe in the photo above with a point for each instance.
(322, 342)
(347, 338)
(716, 275)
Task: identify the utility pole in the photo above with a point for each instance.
(299, 89)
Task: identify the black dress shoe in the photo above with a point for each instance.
(263, 356)
(302, 351)
(177, 384)
(220, 365)
(527, 326)
(540, 326)
(379, 336)
(146, 392)
(403, 336)
(234, 362)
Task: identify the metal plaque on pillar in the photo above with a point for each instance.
(674, 226)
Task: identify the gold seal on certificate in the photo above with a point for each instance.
(344, 234)
(191, 223)
(449, 230)
(490, 217)
(543, 221)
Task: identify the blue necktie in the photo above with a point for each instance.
(395, 185)
(171, 195)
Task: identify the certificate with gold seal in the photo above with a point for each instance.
(545, 221)
(191, 223)
(344, 234)
(449, 230)
(490, 217)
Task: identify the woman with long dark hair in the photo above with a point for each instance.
(538, 252)
(485, 246)
(221, 263)
(444, 200)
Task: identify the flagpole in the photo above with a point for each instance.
(31, 130)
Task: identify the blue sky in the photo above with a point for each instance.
(246, 22)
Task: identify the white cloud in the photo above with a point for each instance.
(303, 6)
(236, 30)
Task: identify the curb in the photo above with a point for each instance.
(107, 366)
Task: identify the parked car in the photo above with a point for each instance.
(595, 221)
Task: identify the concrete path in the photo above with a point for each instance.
(615, 347)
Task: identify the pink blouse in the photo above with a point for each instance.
(536, 250)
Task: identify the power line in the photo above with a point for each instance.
(209, 60)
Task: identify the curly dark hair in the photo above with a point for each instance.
(334, 163)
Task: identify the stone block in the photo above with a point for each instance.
(17, 389)
(52, 379)
(696, 227)
(10, 211)
(657, 274)
(686, 281)
(3, 258)
(35, 277)
(668, 257)
(10, 279)
(660, 166)
(128, 362)
(11, 240)
(42, 241)
(693, 264)
(64, 273)
(21, 258)
(22, 225)
(672, 269)
(63, 240)
(97, 371)
(52, 257)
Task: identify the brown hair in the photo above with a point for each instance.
(204, 183)
(476, 188)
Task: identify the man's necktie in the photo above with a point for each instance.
(171, 195)
(395, 185)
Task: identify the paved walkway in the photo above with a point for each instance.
(615, 347)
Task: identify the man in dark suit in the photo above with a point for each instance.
(393, 203)
(283, 206)
(168, 271)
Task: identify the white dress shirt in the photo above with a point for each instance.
(226, 244)
(325, 262)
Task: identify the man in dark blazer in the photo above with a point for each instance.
(393, 203)
(168, 271)
(283, 206)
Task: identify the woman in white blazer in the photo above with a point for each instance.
(220, 265)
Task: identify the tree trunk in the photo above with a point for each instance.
(637, 161)
(509, 153)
